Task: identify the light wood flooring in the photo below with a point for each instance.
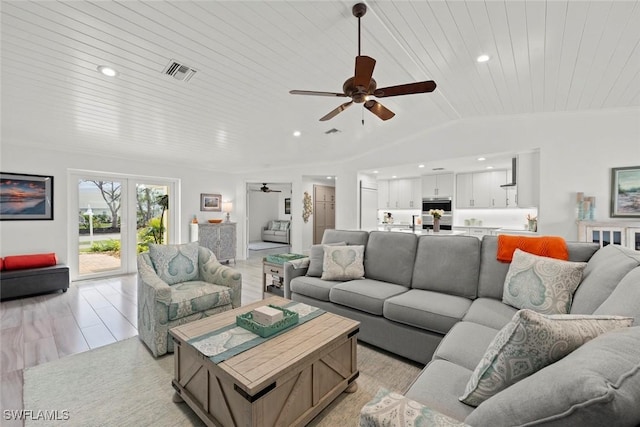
(91, 314)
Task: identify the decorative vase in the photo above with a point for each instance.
(436, 225)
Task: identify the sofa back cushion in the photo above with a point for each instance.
(494, 272)
(447, 264)
(625, 298)
(604, 271)
(349, 237)
(390, 257)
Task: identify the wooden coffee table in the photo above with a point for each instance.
(286, 380)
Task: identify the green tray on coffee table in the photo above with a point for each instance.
(246, 321)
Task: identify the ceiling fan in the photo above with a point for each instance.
(362, 87)
(266, 189)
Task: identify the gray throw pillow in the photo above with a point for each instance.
(597, 385)
(528, 343)
(316, 258)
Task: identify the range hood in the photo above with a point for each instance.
(514, 162)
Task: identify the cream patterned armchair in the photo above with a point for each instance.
(178, 284)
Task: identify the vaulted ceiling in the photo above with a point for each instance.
(236, 113)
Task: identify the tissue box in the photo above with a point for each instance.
(267, 315)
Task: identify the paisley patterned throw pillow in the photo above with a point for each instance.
(343, 262)
(175, 263)
(542, 284)
(528, 343)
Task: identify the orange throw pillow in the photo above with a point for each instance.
(19, 262)
(549, 246)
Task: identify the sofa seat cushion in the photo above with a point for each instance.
(604, 271)
(438, 387)
(429, 310)
(313, 287)
(366, 295)
(465, 344)
(268, 232)
(490, 312)
(596, 385)
(195, 296)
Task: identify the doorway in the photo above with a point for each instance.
(267, 202)
(324, 211)
(116, 217)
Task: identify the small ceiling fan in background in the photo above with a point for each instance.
(266, 189)
(362, 87)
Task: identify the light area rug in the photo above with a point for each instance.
(123, 385)
(260, 246)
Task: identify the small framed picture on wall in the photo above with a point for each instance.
(287, 206)
(211, 202)
(625, 192)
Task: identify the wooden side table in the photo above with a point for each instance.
(270, 268)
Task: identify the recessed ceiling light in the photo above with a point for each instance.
(394, 176)
(297, 133)
(107, 71)
(481, 159)
(329, 177)
(482, 58)
(376, 171)
(420, 166)
(489, 167)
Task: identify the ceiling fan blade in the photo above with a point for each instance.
(379, 110)
(336, 111)
(364, 71)
(406, 89)
(315, 93)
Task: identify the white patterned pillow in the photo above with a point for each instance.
(391, 409)
(542, 284)
(343, 262)
(275, 226)
(175, 263)
(528, 343)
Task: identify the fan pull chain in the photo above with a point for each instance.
(362, 112)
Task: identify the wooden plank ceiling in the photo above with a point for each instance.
(236, 113)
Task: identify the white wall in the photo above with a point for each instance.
(19, 237)
(263, 208)
(577, 151)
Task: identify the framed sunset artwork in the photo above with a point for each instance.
(26, 197)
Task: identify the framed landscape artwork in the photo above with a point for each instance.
(287, 206)
(625, 192)
(211, 202)
(25, 197)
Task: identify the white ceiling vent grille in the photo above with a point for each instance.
(179, 71)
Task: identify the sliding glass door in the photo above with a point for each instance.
(116, 217)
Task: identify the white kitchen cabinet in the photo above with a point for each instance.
(481, 189)
(403, 193)
(438, 185)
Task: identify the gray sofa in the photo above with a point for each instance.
(277, 231)
(438, 300)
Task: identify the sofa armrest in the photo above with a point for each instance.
(291, 271)
(213, 272)
(391, 409)
(151, 285)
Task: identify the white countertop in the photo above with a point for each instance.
(420, 231)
